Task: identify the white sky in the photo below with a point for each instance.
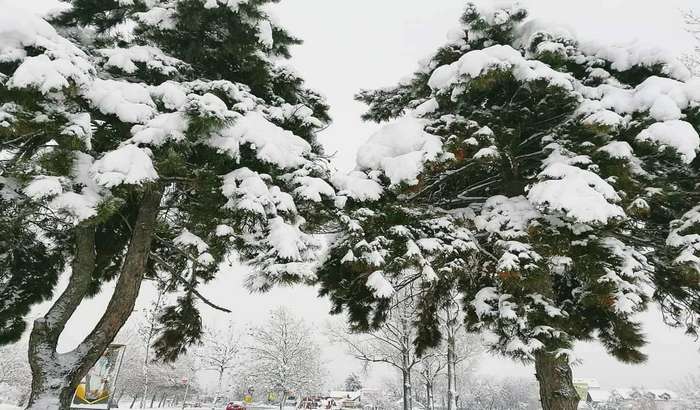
(350, 45)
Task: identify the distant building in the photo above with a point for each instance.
(347, 399)
(656, 399)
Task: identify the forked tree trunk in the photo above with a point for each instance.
(55, 376)
(557, 390)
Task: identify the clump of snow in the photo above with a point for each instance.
(44, 74)
(288, 240)
(625, 56)
(381, 287)
(265, 33)
(481, 304)
(160, 129)
(273, 144)
(605, 117)
(127, 164)
(79, 126)
(172, 94)
(161, 17)
(248, 191)
(61, 62)
(313, 189)
(125, 59)
(43, 186)
(400, 149)
(187, 238)
(478, 62)
(232, 4)
(677, 134)
(682, 236)
(357, 185)
(130, 102)
(580, 194)
(207, 105)
(426, 108)
(508, 217)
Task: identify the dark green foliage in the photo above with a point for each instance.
(554, 280)
(29, 270)
(181, 328)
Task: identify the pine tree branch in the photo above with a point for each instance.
(191, 288)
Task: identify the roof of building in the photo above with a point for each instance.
(602, 395)
(343, 394)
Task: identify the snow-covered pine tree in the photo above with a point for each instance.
(565, 164)
(144, 138)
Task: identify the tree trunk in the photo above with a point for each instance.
(283, 400)
(557, 390)
(56, 376)
(218, 384)
(410, 390)
(451, 402)
(429, 393)
(406, 390)
(133, 401)
(153, 399)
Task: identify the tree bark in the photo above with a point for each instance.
(406, 365)
(55, 376)
(429, 393)
(406, 390)
(451, 376)
(557, 390)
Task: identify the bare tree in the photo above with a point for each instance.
(285, 356)
(392, 344)
(692, 59)
(219, 352)
(462, 348)
(145, 381)
(689, 389)
(452, 325)
(147, 330)
(432, 365)
(488, 393)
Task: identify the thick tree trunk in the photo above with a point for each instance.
(557, 390)
(49, 377)
(56, 376)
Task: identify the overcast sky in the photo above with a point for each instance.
(351, 45)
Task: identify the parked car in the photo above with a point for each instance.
(235, 406)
